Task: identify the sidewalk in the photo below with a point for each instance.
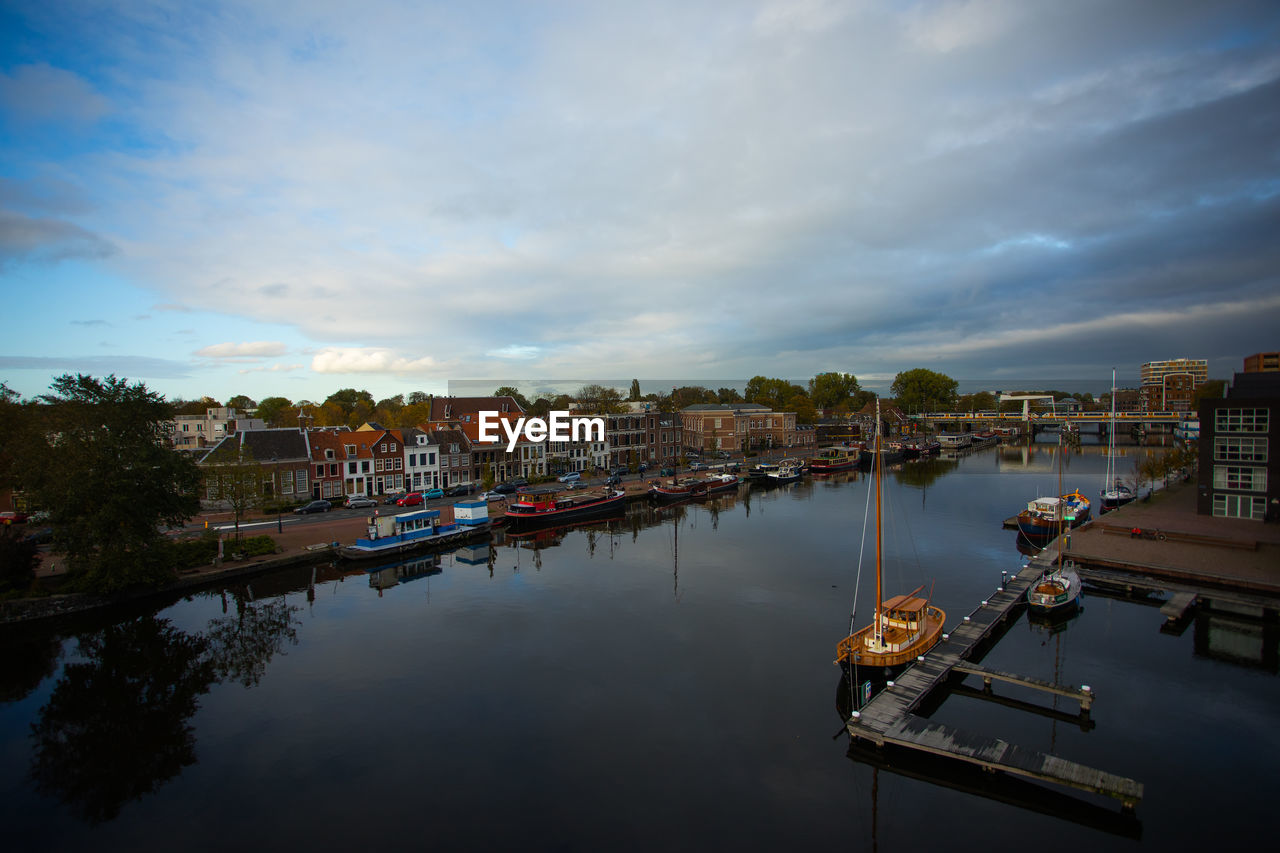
(1183, 545)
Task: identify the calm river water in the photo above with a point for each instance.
(661, 682)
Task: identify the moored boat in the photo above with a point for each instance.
(905, 626)
(533, 510)
(677, 490)
(832, 459)
(722, 482)
(1057, 590)
(419, 530)
(1045, 517)
(1114, 492)
(788, 471)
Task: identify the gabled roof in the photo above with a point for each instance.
(283, 445)
(445, 437)
(452, 408)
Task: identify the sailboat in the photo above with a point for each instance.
(905, 626)
(1114, 492)
(1057, 590)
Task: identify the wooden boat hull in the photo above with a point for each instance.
(852, 650)
(678, 492)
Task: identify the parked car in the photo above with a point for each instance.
(314, 506)
(358, 501)
(411, 499)
(697, 466)
(13, 517)
(493, 496)
(504, 488)
(571, 477)
(432, 494)
(667, 472)
(458, 490)
(519, 482)
(577, 484)
(612, 480)
(394, 499)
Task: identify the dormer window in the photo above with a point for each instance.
(328, 453)
(351, 450)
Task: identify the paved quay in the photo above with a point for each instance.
(1176, 543)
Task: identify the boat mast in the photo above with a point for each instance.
(878, 462)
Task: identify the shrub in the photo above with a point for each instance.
(18, 560)
(258, 546)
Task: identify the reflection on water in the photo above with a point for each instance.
(585, 689)
(116, 726)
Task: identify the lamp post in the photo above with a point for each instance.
(275, 492)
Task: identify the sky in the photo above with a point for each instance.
(290, 198)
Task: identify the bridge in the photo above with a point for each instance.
(1057, 418)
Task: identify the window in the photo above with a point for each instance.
(351, 467)
(1239, 506)
(286, 482)
(333, 470)
(328, 453)
(364, 467)
(319, 471)
(393, 447)
(1230, 449)
(431, 459)
(399, 464)
(351, 451)
(1242, 420)
(1245, 479)
(383, 448)
(301, 480)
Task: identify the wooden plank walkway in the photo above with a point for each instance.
(889, 718)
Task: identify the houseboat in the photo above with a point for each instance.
(530, 511)
(419, 530)
(832, 459)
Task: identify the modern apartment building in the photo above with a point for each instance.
(1238, 434)
(1262, 362)
(1170, 386)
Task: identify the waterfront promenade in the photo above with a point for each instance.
(1227, 552)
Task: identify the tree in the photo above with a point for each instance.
(803, 407)
(634, 396)
(691, 395)
(923, 390)
(274, 410)
(101, 464)
(242, 402)
(828, 390)
(416, 397)
(599, 400)
(773, 393)
(513, 393)
(728, 396)
(234, 477)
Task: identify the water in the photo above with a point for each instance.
(662, 683)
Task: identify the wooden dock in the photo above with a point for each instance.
(890, 718)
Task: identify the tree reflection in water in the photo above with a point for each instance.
(116, 726)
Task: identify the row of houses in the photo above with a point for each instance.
(446, 450)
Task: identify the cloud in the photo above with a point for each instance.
(674, 189)
(89, 323)
(516, 351)
(42, 240)
(275, 368)
(136, 367)
(369, 360)
(249, 349)
(42, 93)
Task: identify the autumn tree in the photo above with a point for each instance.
(634, 396)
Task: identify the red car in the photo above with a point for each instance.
(411, 499)
(12, 517)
